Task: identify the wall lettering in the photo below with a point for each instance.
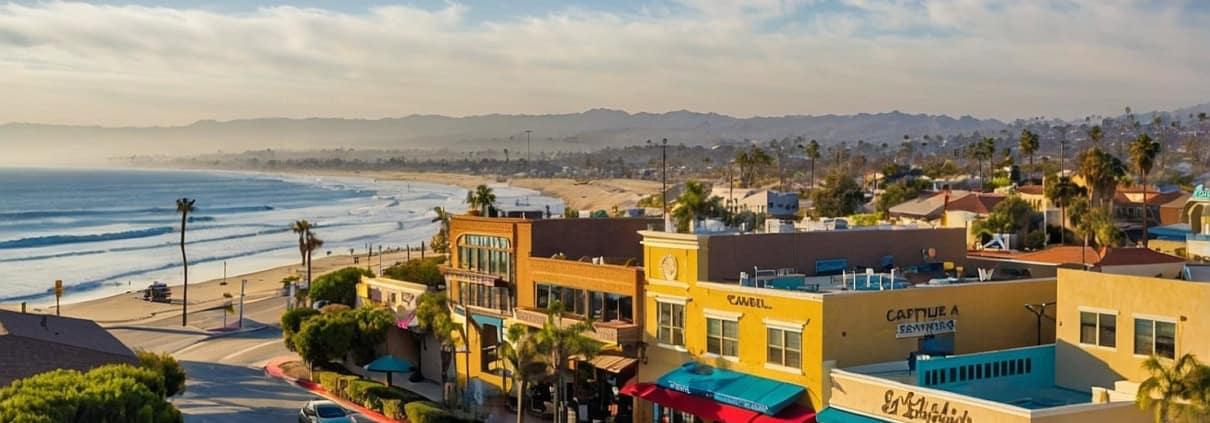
(921, 313)
(918, 407)
(754, 302)
(931, 327)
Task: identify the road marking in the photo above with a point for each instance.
(190, 347)
(260, 345)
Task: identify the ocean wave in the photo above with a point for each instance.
(43, 241)
(44, 214)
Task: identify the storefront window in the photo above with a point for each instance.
(483, 296)
(672, 323)
(722, 337)
(1153, 337)
(487, 254)
(785, 348)
(609, 307)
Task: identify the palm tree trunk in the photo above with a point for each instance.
(521, 401)
(812, 173)
(185, 265)
(1063, 226)
(1144, 210)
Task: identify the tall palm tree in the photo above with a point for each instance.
(1062, 191)
(1095, 134)
(1029, 145)
(302, 228)
(562, 342)
(1101, 172)
(1142, 153)
(184, 206)
(312, 243)
(441, 240)
(527, 357)
(482, 199)
(1170, 387)
(812, 152)
(433, 316)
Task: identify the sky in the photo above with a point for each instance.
(165, 62)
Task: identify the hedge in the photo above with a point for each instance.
(367, 393)
(427, 412)
(393, 409)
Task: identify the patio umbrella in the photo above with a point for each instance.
(390, 364)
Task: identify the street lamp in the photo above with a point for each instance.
(1039, 310)
(528, 167)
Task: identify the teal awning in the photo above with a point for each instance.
(729, 387)
(836, 415)
(390, 364)
(481, 320)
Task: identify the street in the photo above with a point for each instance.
(226, 382)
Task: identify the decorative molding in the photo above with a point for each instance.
(784, 324)
(722, 314)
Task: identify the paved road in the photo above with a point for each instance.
(226, 382)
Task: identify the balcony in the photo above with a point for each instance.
(611, 332)
(453, 274)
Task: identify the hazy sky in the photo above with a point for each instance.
(163, 62)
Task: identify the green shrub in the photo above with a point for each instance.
(426, 412)
(292, 320)
(338, 287)
(356, 389)
(167, 367)
(112, 393)
(393, 409)
(342, 385)
(327, 379)
(394, 393)
(426, 271)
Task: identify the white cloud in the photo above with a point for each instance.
(118, 65)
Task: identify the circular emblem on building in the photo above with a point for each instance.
(668, 267)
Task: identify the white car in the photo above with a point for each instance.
(322, 411)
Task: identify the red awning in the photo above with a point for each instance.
(711, 410)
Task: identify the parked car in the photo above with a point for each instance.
(322, 411)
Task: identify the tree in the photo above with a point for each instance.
(1095, 134)
(840, 195)
(982, 150)
(750, 163)
(1094, 224)
(1101, 172)
(527, 357)
(812, 152)
(1170, 387)
(1142, 153)
(898, 192)
(693, 203)
(1010, 216)
(166, 366)
(426, 271)
(433, 316)
(372, 324)
(339, 287)
(312, 243)
(325, 338)
(1062, 191)
(482, 199)
(441, 240)
(561, 343)
(291, 322)
(1029, 146)
(184, 206)
(110, 393)
(302, 228)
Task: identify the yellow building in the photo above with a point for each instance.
(784, 329)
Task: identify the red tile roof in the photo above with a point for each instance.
(1129, 256)
(976, 203)
(1153, 198)
(1031, 189)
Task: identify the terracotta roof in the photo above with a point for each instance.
(1153, 198)
(1131, 256)
(976, 203)
(1031, 189)
(1179, 202)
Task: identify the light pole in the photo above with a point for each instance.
(663, 174)
(1039, 310)
(528, 159)
(243, 284)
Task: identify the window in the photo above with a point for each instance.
(672, 323)
(610, 307)
(1098, 329)
(487, 254)
(572, 299)
(722, 337)
(785, 348)
(483, 296)
(1154, 337)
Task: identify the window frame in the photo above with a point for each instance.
(783, 346)
(1155, 322)
(1099, 329)
(672, 329)
(722, 337)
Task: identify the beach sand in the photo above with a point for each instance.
(130, 307)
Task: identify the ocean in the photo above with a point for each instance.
(109, 231)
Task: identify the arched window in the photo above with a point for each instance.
(486, 254)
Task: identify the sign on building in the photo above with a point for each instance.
(925, 328)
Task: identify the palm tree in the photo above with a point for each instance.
(1142, 152)
(302, 228)
(1095, 134)
(482, 199)
(1101, 172)
(184, 206)
(1171, 385)
(433, 316)
(311, 243)
(695, 202)
(812, 152)
(562, 342)
(441, 240)
(1029, 145)
(527, 357)
(1062, 191)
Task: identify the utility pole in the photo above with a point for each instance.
(528, 160)
(379, 259)
(243, 284)
(58, 293)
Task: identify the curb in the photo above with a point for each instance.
(272, 370)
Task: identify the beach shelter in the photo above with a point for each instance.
(390, 364)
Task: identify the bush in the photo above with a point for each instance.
(293, 319)
(393, 409)
(113, 393)
(426, 412)
(356, 389)
(404, 396)
(342, 385)
(339, 287)
(167, 367)
(426, 271)
(326, 379)
(325, 338)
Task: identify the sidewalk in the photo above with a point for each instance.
(273, 369)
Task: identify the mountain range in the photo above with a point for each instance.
(589, 130)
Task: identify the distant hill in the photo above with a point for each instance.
(589, 130)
